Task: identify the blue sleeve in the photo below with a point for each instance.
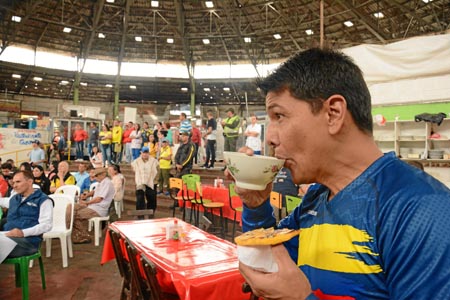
(415, 246)
(260, 217)
(85, 185)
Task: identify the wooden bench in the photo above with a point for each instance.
(149, 213)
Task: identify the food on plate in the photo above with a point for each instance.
(265, 236)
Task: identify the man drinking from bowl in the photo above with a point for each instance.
(373, 227)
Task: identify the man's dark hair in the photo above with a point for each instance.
(26, 174)
(316, 74)
(6, 165)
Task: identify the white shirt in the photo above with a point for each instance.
(45, 218)
(105, 190)
(254, 142)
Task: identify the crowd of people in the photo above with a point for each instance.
(148, 149)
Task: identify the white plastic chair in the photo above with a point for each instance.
(93, 186)
(97, 230)
(69, 189)
(59, 229)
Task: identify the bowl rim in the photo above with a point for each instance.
(252, 156)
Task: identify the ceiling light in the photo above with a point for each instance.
(64, 82)
(184, 89)
(16, 19)
(169, 41)
(16, 76)
(67, 29)
(154, 3)
(83, 83)
(309, 31)
(206, 41)
(101, 35)
(37, 78)
(427, 1)
(209, 4)
(247, 40)
(109, 85)
(138, 38)
(110, 1)
(206, 89)
(277, 36)
(133, 87)
(378, 15)
(348, 23)
(226, 89)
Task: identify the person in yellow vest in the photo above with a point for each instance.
(116, 146)
(63, 177)
(165, 160)
(105, 137)
(231, 130)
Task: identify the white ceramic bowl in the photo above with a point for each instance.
(252, 172)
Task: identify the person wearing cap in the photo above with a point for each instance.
(37, 155)
(92, 204)
(231, 130)
(165, 161)
(184, 155)
(145, 169)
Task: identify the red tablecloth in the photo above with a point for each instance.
(203, 267)
(216, 194)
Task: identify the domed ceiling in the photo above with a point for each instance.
(193, 33)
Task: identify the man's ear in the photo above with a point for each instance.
(336, 110)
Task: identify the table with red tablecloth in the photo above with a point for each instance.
(201, 267)
(218, 194)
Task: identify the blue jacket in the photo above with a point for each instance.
(25, 214)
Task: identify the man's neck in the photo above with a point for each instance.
(28, 192)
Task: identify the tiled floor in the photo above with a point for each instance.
(85, 278)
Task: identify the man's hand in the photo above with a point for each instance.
(289, 283)
(16, 232)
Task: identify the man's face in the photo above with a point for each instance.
(100, 177)
(81, 168)
(21, 184)
(92, 174)
(184, 138)
(145, 155)
(298, 136)
(6, 172)
(35, 145)
(116, 123)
